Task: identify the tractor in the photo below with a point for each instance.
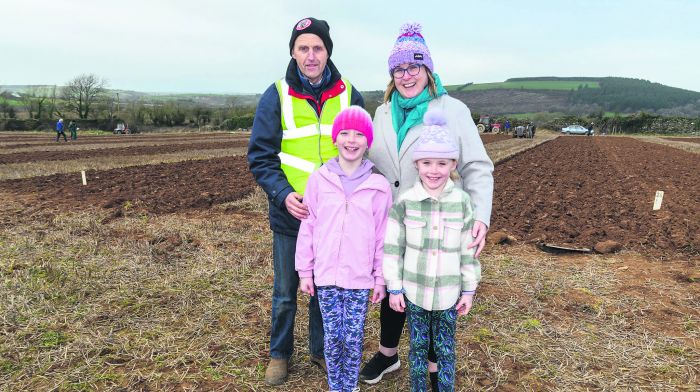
(487, 124)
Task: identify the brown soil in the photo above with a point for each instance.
(34, 156)
(157, 189)
(580, 191)
(684, 139)
(575, 191)
(44, 140)
(492, 138)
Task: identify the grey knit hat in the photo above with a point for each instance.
(435, 141)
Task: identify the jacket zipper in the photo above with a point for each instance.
(318, 121)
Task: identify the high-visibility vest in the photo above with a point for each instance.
(306, 136)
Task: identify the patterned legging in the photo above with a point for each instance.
(443, 324)
(343, 312)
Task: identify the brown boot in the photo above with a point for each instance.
(276, 372)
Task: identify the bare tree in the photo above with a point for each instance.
(36, 102)
(53, 106)
(6, 109)
(82, 92)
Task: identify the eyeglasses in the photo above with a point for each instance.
(412, 69)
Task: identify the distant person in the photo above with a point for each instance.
(291, 137)
(531, 126)
(348, 207)
(507, 126)
(430, 272)
(73, 128)
(590, 130)
(413, 88)
(60, 131)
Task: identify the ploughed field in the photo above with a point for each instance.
(57, 155)
(153, 188)
(158, 276)
(568, 191)
(579, 191)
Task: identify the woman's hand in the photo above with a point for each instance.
(397, 303)
(464, 304)
(306, 285)
(479, 233)
(378, 293)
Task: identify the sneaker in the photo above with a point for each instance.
(320, 362)
(276, 372)
(378, 366)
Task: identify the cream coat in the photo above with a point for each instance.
(474, 166)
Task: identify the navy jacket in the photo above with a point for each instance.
(266, 141)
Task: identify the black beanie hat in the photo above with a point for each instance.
(312, 26)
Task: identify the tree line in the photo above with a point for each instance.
(86, 97)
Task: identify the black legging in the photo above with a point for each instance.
(391, 323)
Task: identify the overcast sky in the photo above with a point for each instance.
(217, 46)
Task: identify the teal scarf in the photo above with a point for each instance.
(408, 112)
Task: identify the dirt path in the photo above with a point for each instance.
(505, 149)
(684, 139)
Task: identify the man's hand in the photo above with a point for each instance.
(378, 293)
(464, 304)
(295, 206)
(306, 285)
(397, 303)
(479, 233)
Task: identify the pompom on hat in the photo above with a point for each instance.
(410, 47)
(435, 141)
(355, 118)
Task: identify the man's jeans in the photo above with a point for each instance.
(284, 303)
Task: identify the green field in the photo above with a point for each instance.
(12, 102)
(526, 85)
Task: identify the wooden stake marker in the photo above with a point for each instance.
(84, 179)
(657, 200)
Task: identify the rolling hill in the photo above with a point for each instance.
(568, 95)
(577, 96)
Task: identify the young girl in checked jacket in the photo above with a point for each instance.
(339, 247)
(427, 267)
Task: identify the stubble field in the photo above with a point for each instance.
(157, 274)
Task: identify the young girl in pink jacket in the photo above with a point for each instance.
(340, 245)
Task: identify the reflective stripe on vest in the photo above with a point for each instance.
(306, 136)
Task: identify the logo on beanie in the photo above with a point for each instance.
(418, 56)
(304, 23)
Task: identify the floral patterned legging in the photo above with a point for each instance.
(443, 324)
(343, 312)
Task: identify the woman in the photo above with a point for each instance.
(398, 123)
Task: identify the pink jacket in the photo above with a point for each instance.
(341, 243)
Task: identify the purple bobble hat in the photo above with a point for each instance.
(410, 47)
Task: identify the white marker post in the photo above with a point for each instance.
(657, 200)
(84, 179)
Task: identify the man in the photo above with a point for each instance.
(59, 130)
(291, 137)
(73, 128)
